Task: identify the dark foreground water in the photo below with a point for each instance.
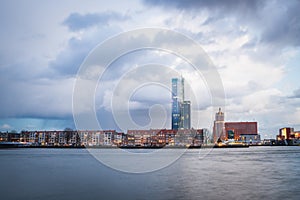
(250, 173)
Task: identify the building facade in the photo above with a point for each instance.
(181, 109)
(219, 126)
(285, 133)
(288, 136)
(186, 115)
(177, 97)
(250, 139)
(109, 138)
(235, 130)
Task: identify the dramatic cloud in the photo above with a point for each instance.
(282, 27)
(38, 98)
(69, 60)
(296, 93)
(77, 21)
(226, 6)
(272, 22)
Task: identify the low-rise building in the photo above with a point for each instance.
(13, 137)
(108, 137)
(142, 137)
(190, 137)
(251, 139)
(3, 136)
(287, 136)
(285, 133)
(42, 138)
(118, 139)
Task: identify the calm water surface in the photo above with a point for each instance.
(249, 173)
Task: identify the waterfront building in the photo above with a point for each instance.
(250, 139)
(52, 141)
(129, 140)
(61, 138)
(42, 139)
(170, 136)
(286, 133)
(95, 138)
(181, 109)
(4, 137)
(270, 142)
(83, 136)
(143, 137)
(108, 137)
(288, 136)
(189, 137)
(219, 126)
(236, 130)
(161, 138)
(72, 138)
(32, 137)
(118, 138)
(14, 137)
(297, 134)
(24, 136)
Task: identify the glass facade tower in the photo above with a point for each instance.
(185, 115)
(181, 110)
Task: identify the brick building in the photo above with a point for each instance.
(235, 130)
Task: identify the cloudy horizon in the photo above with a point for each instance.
(254, 45)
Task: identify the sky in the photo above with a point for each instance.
(254, 45)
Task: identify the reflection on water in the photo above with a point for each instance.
(247, 173)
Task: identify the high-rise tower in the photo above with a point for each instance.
(181, 110)
(176, 102)
(219, 126)
(186, 115)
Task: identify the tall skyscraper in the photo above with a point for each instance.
(219, 126)
(186, 115)
(181, 110)
(176, 102)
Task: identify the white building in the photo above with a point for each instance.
(251, 139)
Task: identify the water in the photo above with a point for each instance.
(246, 173)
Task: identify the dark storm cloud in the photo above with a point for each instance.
(296, 93)
(77, 21)
(45, 98)
(69, 60)
(285, 27)
(278, 22)
(226, 6)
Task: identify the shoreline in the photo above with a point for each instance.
(9, 146)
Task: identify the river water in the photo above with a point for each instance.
(240, 173)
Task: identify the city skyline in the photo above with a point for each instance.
(254, 45)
